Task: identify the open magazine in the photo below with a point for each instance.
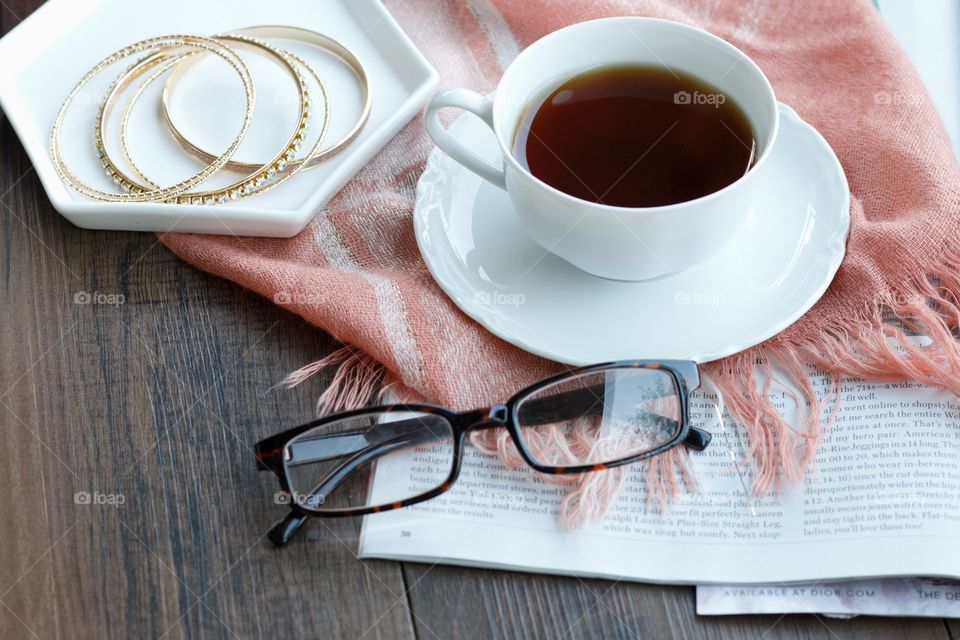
(881, 501)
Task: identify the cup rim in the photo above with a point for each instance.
(664, 23)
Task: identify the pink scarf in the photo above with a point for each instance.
(356, 272)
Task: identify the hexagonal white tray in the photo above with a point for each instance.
(43, 57)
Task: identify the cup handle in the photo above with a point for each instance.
(479, 106)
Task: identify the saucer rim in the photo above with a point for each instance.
(427, 197)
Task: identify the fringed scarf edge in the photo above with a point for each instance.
(874, 345)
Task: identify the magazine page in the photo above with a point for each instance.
(926, 597)
(886, 480)
(925, 35)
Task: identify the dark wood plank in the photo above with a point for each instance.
(953, 628)
(154, 402)
(449, 602)
(13, 11)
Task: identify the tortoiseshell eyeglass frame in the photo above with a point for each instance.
(270, 451)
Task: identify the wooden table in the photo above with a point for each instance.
(155, 403)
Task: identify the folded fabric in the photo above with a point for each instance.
(356, 272)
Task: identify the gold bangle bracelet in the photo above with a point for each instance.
(167, 193)
(261, 177)
(166, 62)
(284, 33)
(163, 59)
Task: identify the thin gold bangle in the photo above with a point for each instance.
(163, 59)
(283, 33)
(262, 176)
(285, 171)
(152, 195)
(165, 63)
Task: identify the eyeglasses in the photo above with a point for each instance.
(587, 419)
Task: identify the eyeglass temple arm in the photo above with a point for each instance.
(336, 445)
(281, 532)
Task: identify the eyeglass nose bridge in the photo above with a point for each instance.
(498, 413)
(490, 418)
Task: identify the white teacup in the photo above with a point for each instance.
(622, 243)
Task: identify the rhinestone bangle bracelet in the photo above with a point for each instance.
(261, 175)
(296, 34)
(173, 55)
(153, 44)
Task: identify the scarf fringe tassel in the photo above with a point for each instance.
(875, 345)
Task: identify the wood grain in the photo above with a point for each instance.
(155, 402)
(449, 602)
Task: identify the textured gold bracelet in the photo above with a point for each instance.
(164, 59)
(262, 177)
(295, 34)
(168, 193)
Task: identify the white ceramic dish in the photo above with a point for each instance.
(776, 268)
(42, 59)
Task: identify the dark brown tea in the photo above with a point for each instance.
(636, 136)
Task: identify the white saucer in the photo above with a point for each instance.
(773, 271)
